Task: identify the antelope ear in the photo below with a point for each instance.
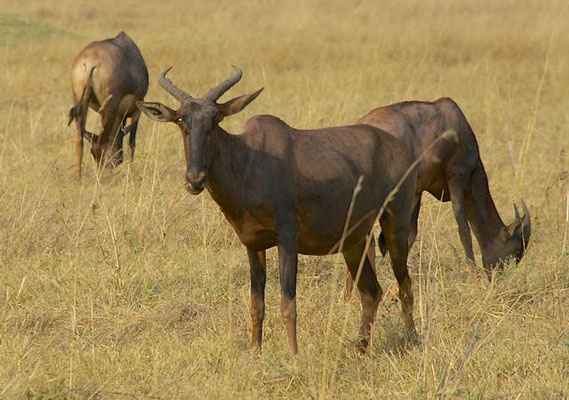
(521, 227)
(157, 111)
(514, 228)
(237, 104)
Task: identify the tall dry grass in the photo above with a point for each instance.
(125, 286)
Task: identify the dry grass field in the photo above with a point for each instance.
(124, 286)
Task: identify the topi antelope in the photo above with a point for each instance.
(453, 172)
(279, 186)
(109, 76)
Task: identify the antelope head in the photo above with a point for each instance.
(513, 240)
(197, 118)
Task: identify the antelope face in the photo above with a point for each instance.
(512, 241)
(107, 153)
(197, 118)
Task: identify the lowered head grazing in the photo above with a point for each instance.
(511, 241)
(453, 172)
(197, 118)
(108, 76)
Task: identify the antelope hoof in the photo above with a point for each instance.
(413, 337)
(363, 343)
(256, 349)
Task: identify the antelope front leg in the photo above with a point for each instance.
(258, 267)
(79, 152)
(414, 221)
(456, 190)
(132, 128)
(288, 260)
(79, 144)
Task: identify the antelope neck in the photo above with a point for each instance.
(485, 221)
(228, 157)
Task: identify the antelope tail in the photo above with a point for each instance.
(382, 243)
(80, 109)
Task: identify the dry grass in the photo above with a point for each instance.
(128, 287)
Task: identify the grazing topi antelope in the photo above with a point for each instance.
(109, 76)
(453, 172)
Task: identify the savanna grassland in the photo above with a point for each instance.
(125, 286)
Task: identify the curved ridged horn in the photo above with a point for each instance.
(516, 212)
(224, 86)
(175, 91)
(526, 223)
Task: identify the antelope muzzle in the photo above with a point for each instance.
(195, 181)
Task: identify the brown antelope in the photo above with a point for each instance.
(453, 171)
(109, 76)
(279, 186)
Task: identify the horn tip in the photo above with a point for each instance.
(516, 212)
(163, 73)
(525, 207)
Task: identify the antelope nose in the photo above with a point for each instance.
(196, 178)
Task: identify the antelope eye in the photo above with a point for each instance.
(179, 120)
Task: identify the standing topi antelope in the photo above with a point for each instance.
(109, 76)
(453, 172)
(279, 186)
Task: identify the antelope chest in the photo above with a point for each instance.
(255, 232)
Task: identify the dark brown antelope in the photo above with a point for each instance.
(109, 76)
(279, 186)
(453, 171)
